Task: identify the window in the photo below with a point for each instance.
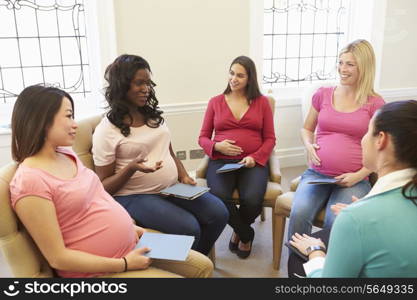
(302, 39)
(42, 41)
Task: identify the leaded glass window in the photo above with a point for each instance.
(302, 39)
(43, 41)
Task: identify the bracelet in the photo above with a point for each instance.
(311, 249)
(124, 259)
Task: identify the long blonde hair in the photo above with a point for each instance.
(365, 58)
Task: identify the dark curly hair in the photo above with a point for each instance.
(119, 75)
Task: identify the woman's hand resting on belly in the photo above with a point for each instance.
(226, 147)
(312, 154)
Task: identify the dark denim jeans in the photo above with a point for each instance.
(251, 184)
(204, 217)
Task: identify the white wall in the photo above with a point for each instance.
(5, 152)
(399, 62)
(190, 44)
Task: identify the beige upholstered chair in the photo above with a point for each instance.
(84, 140)
(273, 189)
(19, 251)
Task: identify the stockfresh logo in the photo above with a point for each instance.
(11, 290)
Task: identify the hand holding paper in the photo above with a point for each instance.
(137, 259)
(248, 161)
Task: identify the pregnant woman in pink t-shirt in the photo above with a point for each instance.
(341, 115)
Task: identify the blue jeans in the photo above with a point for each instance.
(251, 185)
(309, 199)
(204, 217)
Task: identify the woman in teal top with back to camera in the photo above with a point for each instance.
(376, 236)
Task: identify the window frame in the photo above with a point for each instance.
(100, 29)
(366, 21)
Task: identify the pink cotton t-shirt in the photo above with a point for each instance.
(339, 134)
(89, 218)
(109, 146)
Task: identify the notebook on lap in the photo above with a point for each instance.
(324, 181)
(184, 191)
(229, 168)
(166, 246)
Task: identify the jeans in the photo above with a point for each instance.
(309, 199)
(204, 217)
(251, 185)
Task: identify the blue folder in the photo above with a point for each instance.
(166, 246)
(229, 168)
(185, 191)
(324, 181)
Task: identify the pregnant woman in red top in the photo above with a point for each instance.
(242, 121)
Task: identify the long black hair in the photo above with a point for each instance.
(252, 88)
(119, 75)
(399, 119)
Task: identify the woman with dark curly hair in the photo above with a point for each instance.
(134, 159)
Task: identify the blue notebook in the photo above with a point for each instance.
(324, 181)
(166, 246)
(229, 168)
(184, 191)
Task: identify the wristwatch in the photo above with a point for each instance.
(315, 248)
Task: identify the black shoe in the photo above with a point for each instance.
(244, 253)
(233, 246)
